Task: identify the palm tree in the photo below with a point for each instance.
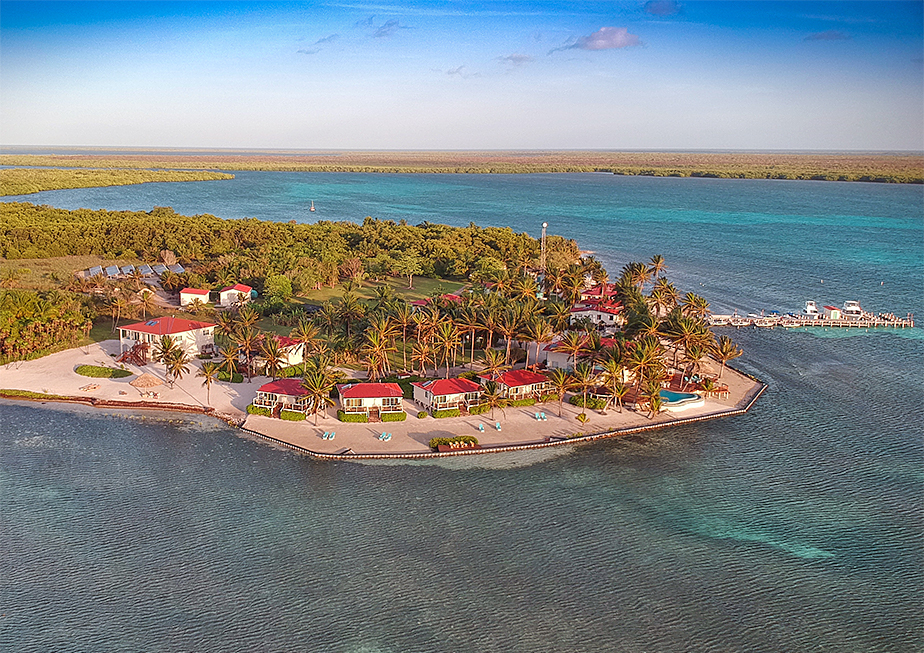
(658, 265)
(328, 317)
(572, 343)
(224, 324)
(375, 351)
(229, 358)
(117, 306)
(539, 331)
(421, 356)
(559, 315)
(146, 302)
(508, 324)
(613, 380)
(725, 350)
(271, 351)
(584, 378)
(247, 316)
(645, 360)
(403, 316)
(494, 363)
(694, 355)
(493, 397)
(177, 364)
(468, 320)
(209, 374)
(695, 306)
(350, 310)
(319, 384)
(163, 352)
(447, 339)
(246, 338)
(655, 402)
(382, 296)
(307, 335)
(561, 382)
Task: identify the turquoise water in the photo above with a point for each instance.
(677, 397)
(795, 527)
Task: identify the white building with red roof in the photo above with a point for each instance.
(370, 399)
(234, 295)
(448, 298)
(445, 394)
(291, 349)
(189, 295)
(599, 292)
(284, 393)
(193, 336)
(831, 312)
(518, 384)
(602, 312)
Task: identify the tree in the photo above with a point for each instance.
(228, 357)
(177, 364)
(584, 378)
(572, 343)
(561, 382)
(725, 350)
(209, 374)
(539, 331)
(246, 338)
(613, 380)
(494, 363)
(163, 352)
(493, 397)
(271, 351)
(319, 385)
(306, 334)
(658, 265)
(146, 302)
(278, 286)
(408, 264)
(403, 316)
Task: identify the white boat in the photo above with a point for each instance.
(852, 310)
(312, 206)
(810, 312)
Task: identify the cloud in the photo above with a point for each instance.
(662, 7)
(312, 51)
(369, 22)
(605, 38)
(515, 59)
(388, 28)
(830, 35)
(327, 39)
(460, 72)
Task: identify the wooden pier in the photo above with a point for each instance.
(788, 321)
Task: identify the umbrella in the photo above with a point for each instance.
(146, 381)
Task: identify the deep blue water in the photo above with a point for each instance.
(795, 527)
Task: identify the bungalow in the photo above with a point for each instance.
(234, 295)
(518, 384)
(189, 295)
(291, 349)
(195, 337)
(284, 393)
(556, 358)
(370, 399)
(445, 394)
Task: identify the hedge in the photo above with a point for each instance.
(289, 372)
(292, 415)
(515, 403)
(361, 418)
(99, 372)
(394, 417)
(232, 378)
(548, 397)
(449, 412)
(259, 410)
(422, 414)
(592, 403)
(465, 439)
(480, 409)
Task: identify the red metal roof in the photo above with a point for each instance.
(238, 287)
(611, 309)
(832, 308)
(286, 341)
(369, 390)
(516, 378)
(166, 326)
(193, 291)
(291, 387)
(441, 387)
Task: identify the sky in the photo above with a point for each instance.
(464, 75)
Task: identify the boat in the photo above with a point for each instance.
(312, 206)
(852, 310)
(810, 312)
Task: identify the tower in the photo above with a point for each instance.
(542, 254)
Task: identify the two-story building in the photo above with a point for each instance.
(193, 336)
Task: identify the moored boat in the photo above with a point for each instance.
(810, 312)
(852, 310)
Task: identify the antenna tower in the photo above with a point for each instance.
(542, 255)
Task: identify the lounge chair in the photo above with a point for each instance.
(331, 436)
(481, 427)
(543, 416)
(497, 426)
(324, 437)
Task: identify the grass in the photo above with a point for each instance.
(99, 372)
(48, 273)
(424, 287)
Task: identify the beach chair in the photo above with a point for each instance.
(382, 437)
(387, 437)
(537, 417)
(324, 437)
(543, 416)
(331, 436)
(497, 426)
(481, 427)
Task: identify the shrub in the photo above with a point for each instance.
(592, 403)
(463, 439)
(394, 417)
(450, 412)
(360, 418)
(289, 372)
(99, 372)
(549, 397)
(204, 357)
(230, 378)
(522, 402)
(292, 415)
(422, 414)
(480, 409)
(259, 410)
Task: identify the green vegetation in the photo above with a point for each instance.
(27, 394)
(481, 409)
(259, 410)
(468, 440)
(449, 412)
(292, 415)
(901, 168)
(422, 414)
(394, 417)
(590, 402)
(356, 418)
(519, 403)
(34, 324)
(98, 372)
(22, 181)
(230, 378)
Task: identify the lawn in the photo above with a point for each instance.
(42, 273)
(423, 287)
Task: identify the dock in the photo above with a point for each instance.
(868, 321)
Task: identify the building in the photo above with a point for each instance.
(448, 298)
(519, 384)
(284, 393)
(446, 394)
(831, 312)
(194, 337)
(234, 295)
(601, 312)
(291, 349)
(370, 399)
(189, 295)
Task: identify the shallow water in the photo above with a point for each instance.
(794, 527)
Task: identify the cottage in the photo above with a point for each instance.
(284, 393)
(189, 295)
(445, 394)
(291, 350)
(518, 384)
(235, 295)
(370, 399)
(194, 337)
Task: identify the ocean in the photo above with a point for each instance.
(794, 527)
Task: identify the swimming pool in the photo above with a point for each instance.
(677, 401)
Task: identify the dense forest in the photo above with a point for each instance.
(878, 167)
(33, 324)
(22, 181)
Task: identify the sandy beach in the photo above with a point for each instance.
(55, 375)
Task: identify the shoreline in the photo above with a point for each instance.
(52, 379)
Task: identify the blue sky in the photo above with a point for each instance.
(464, 75)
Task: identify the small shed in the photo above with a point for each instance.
(831, 312)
